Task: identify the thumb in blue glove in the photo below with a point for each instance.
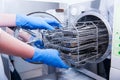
(29, 22)
(48, 56)
(53, 22)
(37, 43)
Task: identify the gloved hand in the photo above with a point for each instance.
(52, 22)
(29, 22)
(38, 43)
(49, 57)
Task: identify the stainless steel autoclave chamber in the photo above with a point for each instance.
(87, 40)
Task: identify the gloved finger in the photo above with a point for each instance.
(39, 44)
(62, 64)
(58, 63)
(46, 26)
(53, 22)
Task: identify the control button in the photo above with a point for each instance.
(119, 45)
(119, 52)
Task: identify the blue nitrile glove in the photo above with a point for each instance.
(29, 22)
(38, 43)
(48, 56)
(52, 22)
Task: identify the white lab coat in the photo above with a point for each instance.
(2, 73)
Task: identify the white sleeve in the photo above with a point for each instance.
(2, 73)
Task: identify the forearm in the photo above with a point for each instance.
(13, 46)
(7, 20)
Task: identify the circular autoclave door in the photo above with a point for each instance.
(87, 40)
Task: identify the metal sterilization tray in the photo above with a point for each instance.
(88, 39)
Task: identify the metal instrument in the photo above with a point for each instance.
(85, 41)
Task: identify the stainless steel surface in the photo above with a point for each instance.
(70, 74)
(87, 40)
(90, 74)
(103, 33)
(26, 6)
